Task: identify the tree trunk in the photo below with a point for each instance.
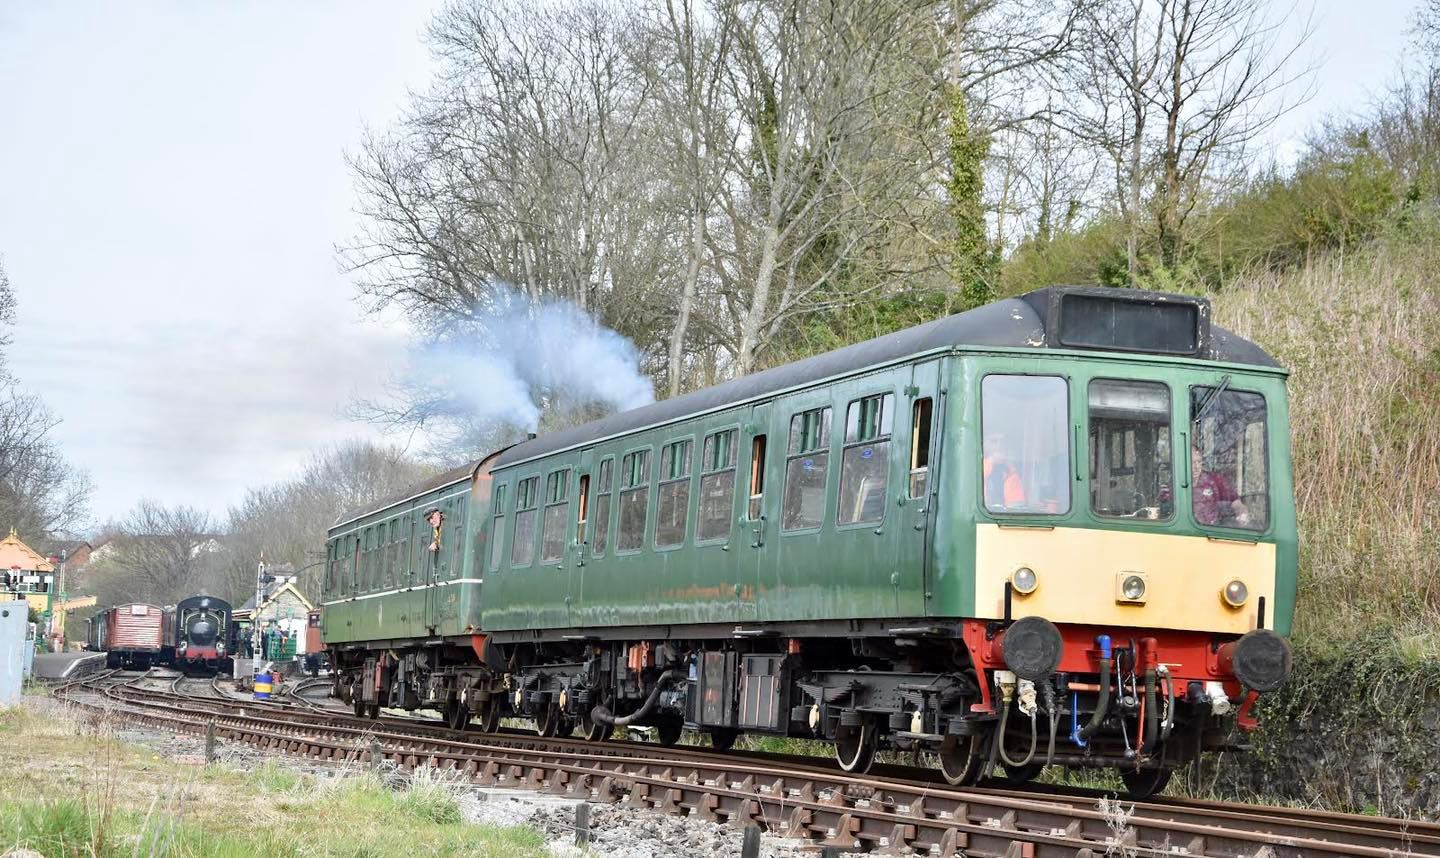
(687, 300)
(754, 319)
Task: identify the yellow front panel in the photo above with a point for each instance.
(1077, 568)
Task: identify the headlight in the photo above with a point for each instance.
(220, 648)
(1024, 580)
(1132, 587)
(1235, 593)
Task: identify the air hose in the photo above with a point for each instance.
(1102, 704)
(1000, 735)
(1152, 713)
(601, 714)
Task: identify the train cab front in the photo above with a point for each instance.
(1134, 563)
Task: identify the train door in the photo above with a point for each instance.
(757, 529)
(581, 521)
(437, 547)
(918, 427)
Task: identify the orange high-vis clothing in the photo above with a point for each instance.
(1012, 490)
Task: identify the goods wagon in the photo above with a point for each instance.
(1067, 514)
(132, 635)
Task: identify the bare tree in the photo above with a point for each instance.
(1175, 92)
(162, 554)
(286, 522)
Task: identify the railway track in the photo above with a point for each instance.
(798, 797)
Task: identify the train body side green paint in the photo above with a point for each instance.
(917, 561)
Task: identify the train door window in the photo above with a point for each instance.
(1130, 460)
(557, 501)
(756, 505)
(1025, 462)
(806, 467)
(602, 506)
(457, 540)
(865, 459)
(921, 414)
(497, 528)
(1229, 462)
(392, 554)
(717, 486)
(634, 500)
(354, 563)
(672, 509)
(522, 545)
(582, 509)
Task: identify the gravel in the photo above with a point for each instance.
(617, 829)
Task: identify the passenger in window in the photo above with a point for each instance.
(1214, 499)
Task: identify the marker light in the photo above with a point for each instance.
(1235, 593)
(1024, 580)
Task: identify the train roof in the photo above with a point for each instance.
(1087, 318)
(1058, 317)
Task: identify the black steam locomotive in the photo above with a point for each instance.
(199, 634)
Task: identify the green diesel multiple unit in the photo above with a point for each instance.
(1073, 507)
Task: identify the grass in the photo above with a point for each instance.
(71, 789)
(1361, 334)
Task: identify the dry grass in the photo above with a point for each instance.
(71, 789)
(1362, 337)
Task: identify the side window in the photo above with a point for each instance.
(673, 503)
(557, 502)
(1025, 463)
(497, 528)
(865, 459)
(1229, 460)
(582, 513)
(602, 506)
(806, 466)
(392, 554)
(717, 485)
(921, 419)
(1130, 470)
(634, 500)
(756, 505)
(457, 539)
(522, 547)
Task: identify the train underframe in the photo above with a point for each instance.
(976, 695)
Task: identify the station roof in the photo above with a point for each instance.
(14, 553)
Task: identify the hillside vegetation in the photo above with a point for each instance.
(1360, 331)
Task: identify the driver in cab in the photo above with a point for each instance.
(1213, 498)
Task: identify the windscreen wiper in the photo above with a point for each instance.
(1210, 400)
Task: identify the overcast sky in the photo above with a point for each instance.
(172, 188)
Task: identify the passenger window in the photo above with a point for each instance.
(602, 507)
(865, 459)
(1026, 452)
(717, 486)
(920, 420)
(522, 547)
(557, 498)
(582, 514)
(1229, 459)
(634, 500)
(1130, 470)
(806, 468)
(673, 501)
(757, 478)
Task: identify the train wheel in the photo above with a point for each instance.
(723, 738)
(548, 722)
(1144, 783)
(962, 759)
(457, 714)
(855, 748)
(1023, 774)
(490, 715)
(594, 731)
(668, 732)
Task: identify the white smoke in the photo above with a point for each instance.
(512, 362)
